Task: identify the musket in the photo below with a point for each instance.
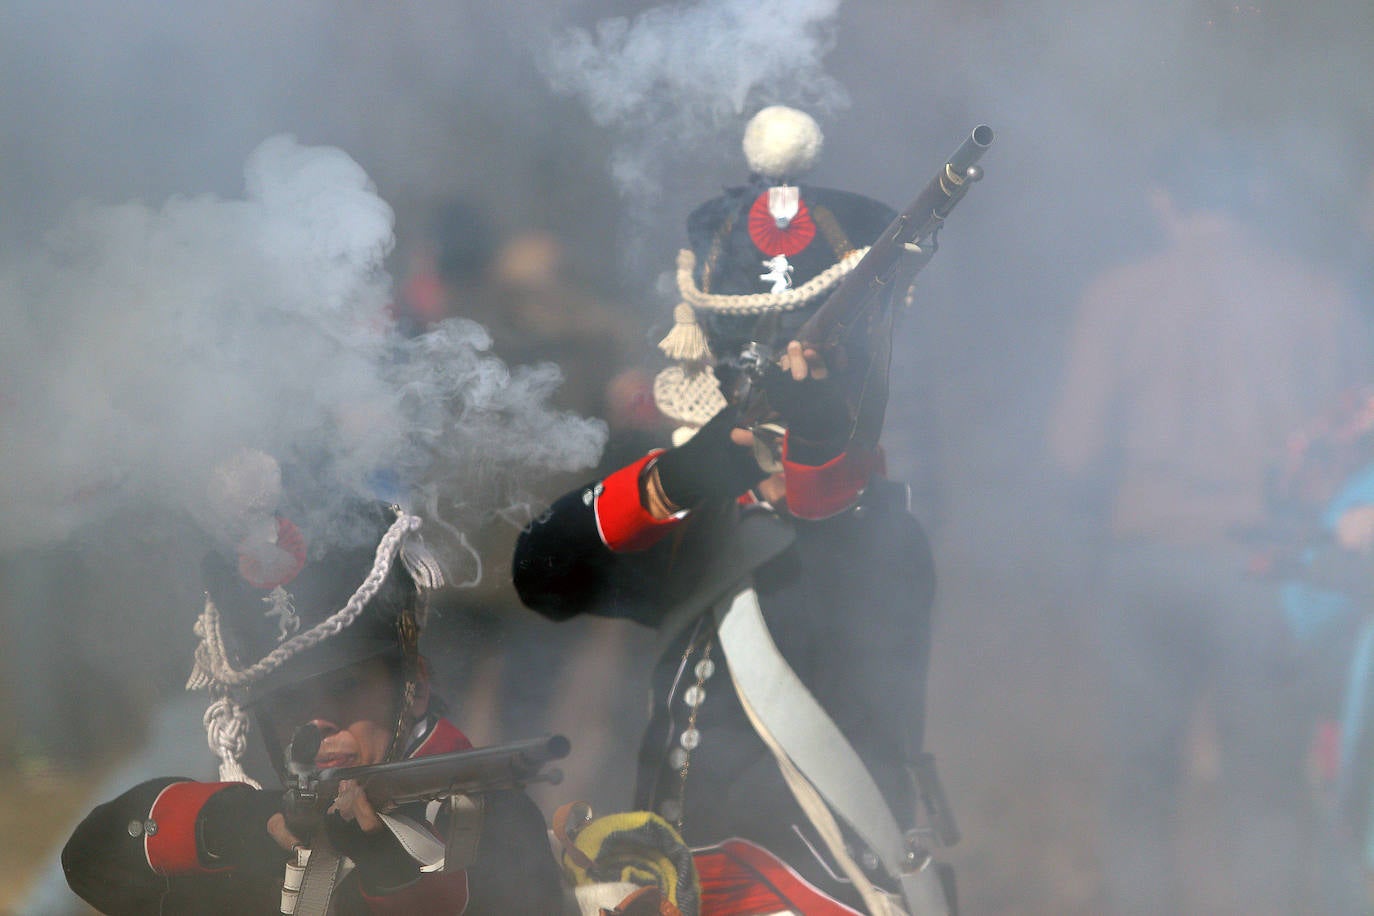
(865, 293)
(909, 241)
(438, 776)
(458, 780)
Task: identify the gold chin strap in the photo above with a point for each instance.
(408, 633)
(404, 722)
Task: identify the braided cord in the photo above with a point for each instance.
(214, 660)
(226, 731)
(759, 303)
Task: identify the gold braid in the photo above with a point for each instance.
(834, 234)
(408, 635)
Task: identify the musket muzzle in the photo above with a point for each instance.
(960, 169)
(971, 149)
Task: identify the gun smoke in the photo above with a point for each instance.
(148, 343)
(176, 313)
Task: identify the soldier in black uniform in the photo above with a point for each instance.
(780, 519)
(308, 627)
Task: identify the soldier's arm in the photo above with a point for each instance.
(167, 837)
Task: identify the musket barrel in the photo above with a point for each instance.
(476, 770)
(546, 750)
(916, 224)
(972, 149)
(959, 170)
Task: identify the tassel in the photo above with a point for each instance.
(686, 341)
(421, 564)
(201, 676)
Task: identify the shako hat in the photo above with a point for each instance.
(761, 257)
(285, 603)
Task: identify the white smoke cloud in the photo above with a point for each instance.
(144, 344)
(671, 78)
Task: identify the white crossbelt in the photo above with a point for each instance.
(822, 769)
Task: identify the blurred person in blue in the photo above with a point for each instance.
(1318, 547)
(1186, 369)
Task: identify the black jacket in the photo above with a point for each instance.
(848, 603)
(108, 863)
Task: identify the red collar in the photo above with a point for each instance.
(443, 738)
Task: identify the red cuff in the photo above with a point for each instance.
(438, 892)
(819, 491)
(171, 844)
(621, 519)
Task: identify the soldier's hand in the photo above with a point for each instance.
(352, 804)
(714, 464)
(355, 830)
(801, 362)
(235, 828)
(278, 831)
(811, 403)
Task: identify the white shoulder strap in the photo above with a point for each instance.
(416, 840)
(322, 874)
(823, 770)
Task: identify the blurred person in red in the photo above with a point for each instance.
(1186, 369)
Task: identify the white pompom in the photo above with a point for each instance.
(781, 142)
(243, 492)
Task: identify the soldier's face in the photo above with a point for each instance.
(354, 708)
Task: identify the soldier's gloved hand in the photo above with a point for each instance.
(709, 465)
(811, 402)
(232, 830)
(355, 830)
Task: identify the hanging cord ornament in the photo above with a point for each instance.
(226, 732)
(686, 341)
(225, 721)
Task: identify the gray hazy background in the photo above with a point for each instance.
(604, 123)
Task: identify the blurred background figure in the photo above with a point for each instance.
(518, 675)
(1317, 548)
(449, 265)
(454, 99)
(1187, 367)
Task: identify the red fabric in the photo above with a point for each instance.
(773, 241)
(1326, 751)
(438, 893)
(444, 738)
(820, 491)
(423, 297)
(740, 878)
(171, 846)
(621, 519)
(288, 562)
